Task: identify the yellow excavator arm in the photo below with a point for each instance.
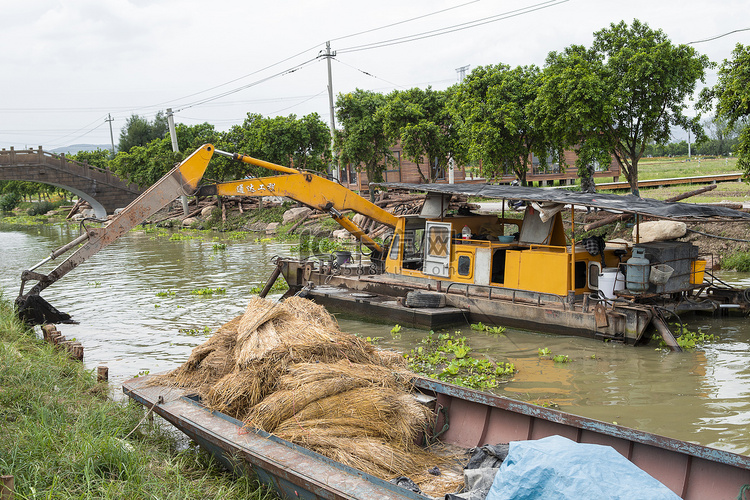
(304, 187)
(181, 180)
(308, 188)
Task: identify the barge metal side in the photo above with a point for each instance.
(476, 418)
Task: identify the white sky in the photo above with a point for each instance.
(66, 64)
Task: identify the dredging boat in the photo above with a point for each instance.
(439, 268)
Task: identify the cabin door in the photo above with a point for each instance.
(437, 251)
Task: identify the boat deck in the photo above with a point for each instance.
(385, 308)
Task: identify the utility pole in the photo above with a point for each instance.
(111, 137)
(462, 72)
(328, 55)
(176, 149)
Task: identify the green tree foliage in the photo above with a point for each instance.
(625, 92)
(420, 120)
(144, 165)
(138, 131)
(732, 92)
(27, 189)
(568, 101)
(99, 158)
(492, 109)
(303, 143)
(363, 141)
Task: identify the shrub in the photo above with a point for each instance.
(41, 208)
(9, 201)
(739, 261)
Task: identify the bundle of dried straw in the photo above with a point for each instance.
(286, 368)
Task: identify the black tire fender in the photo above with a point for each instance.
(418, 298)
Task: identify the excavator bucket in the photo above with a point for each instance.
(34, 310)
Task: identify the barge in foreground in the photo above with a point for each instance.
(468, 419)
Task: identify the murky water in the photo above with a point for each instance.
(701, 396)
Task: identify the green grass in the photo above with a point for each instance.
(738, 261)
(661, 168)
(61, 437)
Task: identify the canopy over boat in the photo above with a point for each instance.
(610, 202)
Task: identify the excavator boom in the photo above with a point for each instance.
(308, 188)
(183, 179)
(305, 187)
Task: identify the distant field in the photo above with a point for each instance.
(666, 168)
(663, 168)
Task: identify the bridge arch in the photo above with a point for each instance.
(102, 189)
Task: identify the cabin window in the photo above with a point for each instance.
(412, 256)
(464, 265)
(580, 274)
(394, 248)
(437, 241)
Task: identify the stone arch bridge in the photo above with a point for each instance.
(101, 188)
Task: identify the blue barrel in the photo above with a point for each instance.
(638, 271)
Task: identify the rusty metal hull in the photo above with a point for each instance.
(690, 470)
(378, 297)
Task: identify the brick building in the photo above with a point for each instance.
(408, 172)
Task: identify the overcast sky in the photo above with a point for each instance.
(67, 65)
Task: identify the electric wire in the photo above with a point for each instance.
(719, 36)
(312, 48)
(453, 28)
(368, 74)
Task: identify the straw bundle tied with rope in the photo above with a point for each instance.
(286, 368)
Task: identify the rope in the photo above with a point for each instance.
(719, 237)
(745, 489)
(148, 413)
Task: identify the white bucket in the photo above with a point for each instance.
(610, 279)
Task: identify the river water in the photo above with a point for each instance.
(701, 396)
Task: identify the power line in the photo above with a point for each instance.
(247, 86)
(719, 36)
(404, 21)
(314, 47)
(454, 28)
(368, 74)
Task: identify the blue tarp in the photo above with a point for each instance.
(556, 467)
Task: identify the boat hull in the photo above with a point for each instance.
(475, 418)
(380, 297)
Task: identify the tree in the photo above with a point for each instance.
(491, 108)
(568, 101)
(421, 122)
(363, 141)
(732, 92)
(98, 158)
(138, 131)
(625, 92)
(303, 143)
(144, 165)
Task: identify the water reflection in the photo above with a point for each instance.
(701, 395)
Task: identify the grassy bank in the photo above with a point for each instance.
(61, 437)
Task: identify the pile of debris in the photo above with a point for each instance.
(287, 369)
